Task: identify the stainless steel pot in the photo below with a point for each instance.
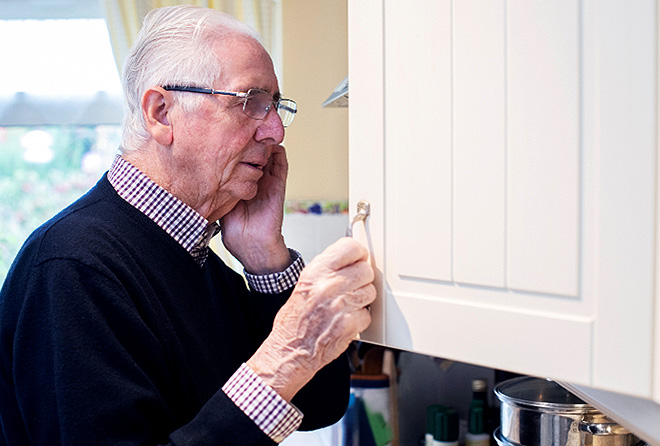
(539, 412)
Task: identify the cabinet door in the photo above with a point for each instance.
(507, 149)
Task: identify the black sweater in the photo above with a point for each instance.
(110, 333)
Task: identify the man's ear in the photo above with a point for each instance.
(156, 106)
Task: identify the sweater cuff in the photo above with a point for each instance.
(278, 282)
(269, 411)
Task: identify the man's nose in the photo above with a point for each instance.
(271, 127)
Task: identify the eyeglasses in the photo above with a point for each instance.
(256, 103)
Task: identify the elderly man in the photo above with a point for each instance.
(119, 326)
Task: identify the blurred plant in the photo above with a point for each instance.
(34, 188)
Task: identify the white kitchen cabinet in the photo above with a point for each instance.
(508, 150)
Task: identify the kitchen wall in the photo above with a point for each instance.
(315, 61)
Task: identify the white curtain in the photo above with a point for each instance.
(124, 19)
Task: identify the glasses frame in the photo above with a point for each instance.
(242, 94)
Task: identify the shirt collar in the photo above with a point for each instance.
(185, 225)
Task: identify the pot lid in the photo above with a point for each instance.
(538, 393)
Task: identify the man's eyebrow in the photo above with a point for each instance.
(276, 96)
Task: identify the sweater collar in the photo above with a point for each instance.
(185, 225)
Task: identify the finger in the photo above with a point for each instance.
(278, 149)
(355, 275)
(278, 164)
(343, 252)
(362, 297)
(330, 283)
(355, 323)
(362, 320)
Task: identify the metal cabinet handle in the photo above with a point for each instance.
(363, 210)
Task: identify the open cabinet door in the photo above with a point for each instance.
(508, 151)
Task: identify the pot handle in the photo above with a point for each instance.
(602, 428)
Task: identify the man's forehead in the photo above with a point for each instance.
(237, 44)
(245, 64)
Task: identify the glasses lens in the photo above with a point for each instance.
(257, 104)
(287, 109)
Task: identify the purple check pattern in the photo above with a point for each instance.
(277, 418)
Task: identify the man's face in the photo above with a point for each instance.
(218, 152)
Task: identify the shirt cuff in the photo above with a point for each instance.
(278, 282)
(269, 411)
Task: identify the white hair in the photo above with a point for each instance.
(174, 47)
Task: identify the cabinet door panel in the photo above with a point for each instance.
(479, 152)
(482, 179)
(543, 78)
(418, 135)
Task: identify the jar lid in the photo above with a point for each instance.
(476, 418)
(446, 425)
(430, 416)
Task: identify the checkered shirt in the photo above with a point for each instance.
(274, 416)
(247, 391)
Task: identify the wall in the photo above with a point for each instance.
(315, 61)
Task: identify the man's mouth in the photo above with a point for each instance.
(255, 165)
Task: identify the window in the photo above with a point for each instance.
(59, 120)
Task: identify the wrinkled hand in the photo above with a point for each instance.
(325, 312)
(252, 231)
